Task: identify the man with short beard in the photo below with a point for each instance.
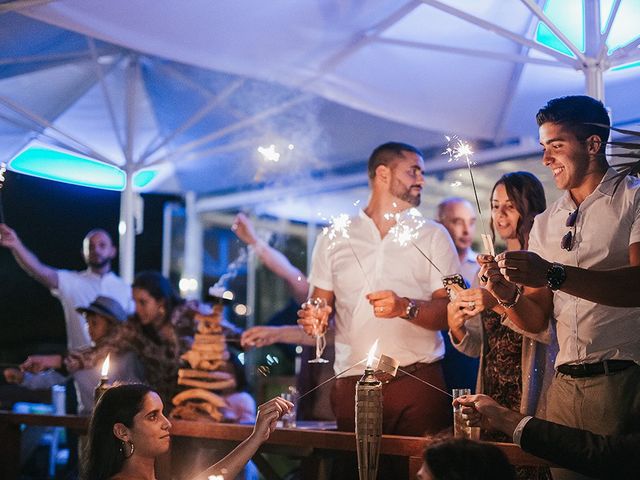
(383, 289)
(74, 289)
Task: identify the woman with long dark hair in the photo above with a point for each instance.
(128, 431)
(515, 366)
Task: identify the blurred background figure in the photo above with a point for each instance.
(282, 327)
(74, 289)
(106, 319)
(458, 216)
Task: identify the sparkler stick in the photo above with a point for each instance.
(384, 360)
(332, 378)
(404, 233)
(463, 149)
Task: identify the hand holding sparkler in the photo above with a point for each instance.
(386, 304)
(496, 283)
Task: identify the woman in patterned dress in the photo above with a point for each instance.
(515, 367)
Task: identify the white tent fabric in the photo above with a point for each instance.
(194, 87)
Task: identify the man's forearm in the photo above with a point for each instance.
(34, 267)
(432, 314)
(615, 288)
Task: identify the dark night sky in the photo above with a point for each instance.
(51, 219)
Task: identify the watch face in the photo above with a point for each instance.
(556, 275)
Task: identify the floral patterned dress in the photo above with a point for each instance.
(502, 379)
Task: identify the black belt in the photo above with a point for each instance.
(592, 369)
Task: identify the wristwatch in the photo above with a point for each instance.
(412, 310)
(556, 275)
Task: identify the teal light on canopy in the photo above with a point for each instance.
(142, 178)
(568, 16)
(69, 168)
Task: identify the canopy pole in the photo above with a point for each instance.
(127, 231)
(191, 281)
(593, 68)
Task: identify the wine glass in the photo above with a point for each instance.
(317, 306)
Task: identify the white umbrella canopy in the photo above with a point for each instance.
(196, 87)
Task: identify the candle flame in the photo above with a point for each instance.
(371, 356)
(105, 366)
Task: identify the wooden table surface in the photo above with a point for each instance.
(306, 440)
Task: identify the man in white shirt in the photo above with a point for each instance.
(382, 289)
(595, 226)
(459, 218)
(75, 289)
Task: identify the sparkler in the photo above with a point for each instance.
(406, 230)
(462, 149)
(339, 229)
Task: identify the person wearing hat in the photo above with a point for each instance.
(106, 320)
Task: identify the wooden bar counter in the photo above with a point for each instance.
(305, 443)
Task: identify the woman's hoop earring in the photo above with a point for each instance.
(123, 449)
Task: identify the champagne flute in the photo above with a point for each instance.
(317, 306)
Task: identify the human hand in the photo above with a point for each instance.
(8, 237)
(314, 320)
(13, 375)
(524, 268)
(268, 415)
(260, 336)
(483, 411)
(38, 363)
(496, 283)
(386, 304)
(243, 228)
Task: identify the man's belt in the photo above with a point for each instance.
(592, 369)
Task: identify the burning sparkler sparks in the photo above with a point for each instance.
(406, 230)
(338, 229)
(457, 149)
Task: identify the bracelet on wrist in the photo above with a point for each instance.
(514, 300)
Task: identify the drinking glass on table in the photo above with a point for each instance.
(317, 306)
(460, 427)
(289, 418)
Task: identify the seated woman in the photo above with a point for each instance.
(128, 431)
(106, 322)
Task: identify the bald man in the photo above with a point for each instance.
(459, 218)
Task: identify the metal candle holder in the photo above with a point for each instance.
(102, 387)
(368, 423)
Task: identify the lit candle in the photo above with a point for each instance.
(104, 378)
(368, 419)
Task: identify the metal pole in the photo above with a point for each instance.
(127, 231)
(593, 69)
(191, 281)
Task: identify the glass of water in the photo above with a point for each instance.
(460, 427)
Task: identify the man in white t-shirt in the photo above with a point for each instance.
(75, 289)
(386, 290)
